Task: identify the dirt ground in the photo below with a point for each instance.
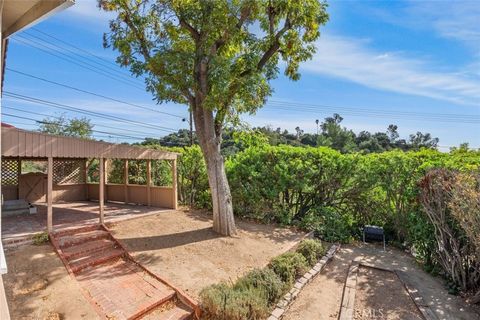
(39, 287)
(321, 298)
(381, 294)
(182, 247)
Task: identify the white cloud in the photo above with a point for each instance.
(353, 60)
(451, 19)
(88, 10)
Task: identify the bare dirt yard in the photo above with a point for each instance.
(39, 287)
(381, 294)
(321, 298)
(182, 247)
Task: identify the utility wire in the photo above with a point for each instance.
(373, 115)
(92, 93)
(73, 46)
(47, 122)
(58, 118)
(75, 53)
(82, 64)
(90, 113)
(295, 106)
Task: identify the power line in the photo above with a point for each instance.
(78, 63)
(73, 46)
(76, 54)
(373, 115)
(47, 122)
(90, 113)
(312, 108)
(92, 93)
(96, 125)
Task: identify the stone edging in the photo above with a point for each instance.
(290, 296)
(349, 290)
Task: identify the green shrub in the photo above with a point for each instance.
(40, 238)
(289, 266)
(311, 250)
(265, 280)
(334, 226)
(222, 301)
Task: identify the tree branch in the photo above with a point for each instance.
(139, 35)
(193, 32)
(245, 13)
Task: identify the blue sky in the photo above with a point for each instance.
(412, 63)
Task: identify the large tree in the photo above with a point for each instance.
(218, 57)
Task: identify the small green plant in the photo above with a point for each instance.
(223, 301)
(40, 238)
(263, 279)
(311, 250)
(289, 266)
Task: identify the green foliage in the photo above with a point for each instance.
(311, 250)
(40, 238)
(75, 127)
(222, 301)
(265, 280)
(170, 42)
(289, 266)
(334, 226)
(332, 135)
(288, 182)
(249, 298)
(193, 189)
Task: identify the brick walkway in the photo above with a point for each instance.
(116, 286)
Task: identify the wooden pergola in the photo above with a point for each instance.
(66, 178)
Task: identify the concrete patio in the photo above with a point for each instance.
(20, 229)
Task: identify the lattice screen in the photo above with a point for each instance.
(9, 172)
(68, 171)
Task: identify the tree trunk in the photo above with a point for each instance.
(210, 138)
(223, 221)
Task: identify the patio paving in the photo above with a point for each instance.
(70, 215)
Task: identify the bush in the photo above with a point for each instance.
(334, 227)
(40, 238)
(311, 250)
(265, 280)
(222, 301)
(451, 201)
(289, 266)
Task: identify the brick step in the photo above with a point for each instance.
(178, 312)
(87, 248)
(95, 259)
(75, 230)
(82, 237)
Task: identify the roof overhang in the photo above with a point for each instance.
(18, 143)
(18, 15)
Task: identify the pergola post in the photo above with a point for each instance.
(125, 179)
(174, 184)
(105, 176)
(50, 195)
(87, 196)
(149, 181)
(19, 173)
(101, 189)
